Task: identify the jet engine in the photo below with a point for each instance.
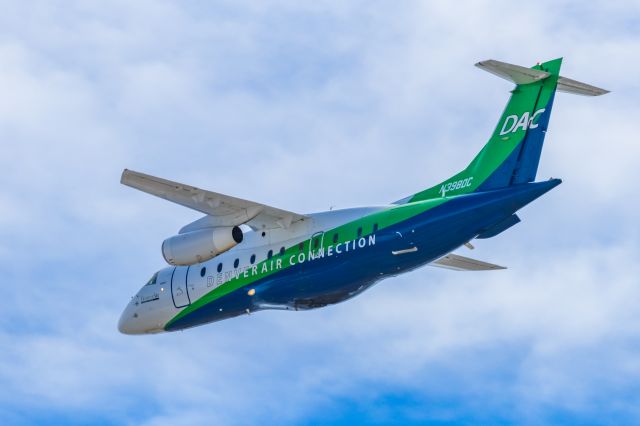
(201, 245)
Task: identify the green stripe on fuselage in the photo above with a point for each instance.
(346, 232)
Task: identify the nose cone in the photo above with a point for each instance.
(136, 320)
(127, 322)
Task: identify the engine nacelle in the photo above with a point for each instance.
(198, 246)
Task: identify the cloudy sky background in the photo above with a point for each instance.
(307, 106)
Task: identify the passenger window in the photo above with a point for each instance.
(270, 254)
(153, 279)
(335, 238)
(375, 227)
(203, 271)
(253, 259)
(236, 263)
(220, 267)
(301, 246)
(281, 251)
(359, 232)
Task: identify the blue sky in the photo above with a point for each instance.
(306, 106)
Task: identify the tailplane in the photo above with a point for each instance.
(512, 154)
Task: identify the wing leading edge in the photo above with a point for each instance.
(221, 210)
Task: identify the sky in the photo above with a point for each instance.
(307, 106)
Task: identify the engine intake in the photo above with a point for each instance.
(198, 246)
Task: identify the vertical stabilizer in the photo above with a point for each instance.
(512, 154)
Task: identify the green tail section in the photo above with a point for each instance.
(512, 153)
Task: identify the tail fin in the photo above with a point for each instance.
(512, 154)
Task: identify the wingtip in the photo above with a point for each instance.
(123, 176)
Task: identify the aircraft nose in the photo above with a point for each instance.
(126, 323)
(135, 320)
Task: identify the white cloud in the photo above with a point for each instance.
(307, 106)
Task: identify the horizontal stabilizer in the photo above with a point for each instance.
(514, 73)
(567, 85)
(523, 75)
(461, 263)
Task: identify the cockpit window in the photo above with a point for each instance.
(153, 279)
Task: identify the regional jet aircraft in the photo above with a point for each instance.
(243, 257)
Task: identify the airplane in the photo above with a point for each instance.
(243, 257)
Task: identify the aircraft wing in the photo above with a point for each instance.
(461, 263)
(221, 210)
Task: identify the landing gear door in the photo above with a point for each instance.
(179, 291)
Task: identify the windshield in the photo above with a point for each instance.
(153, 279)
